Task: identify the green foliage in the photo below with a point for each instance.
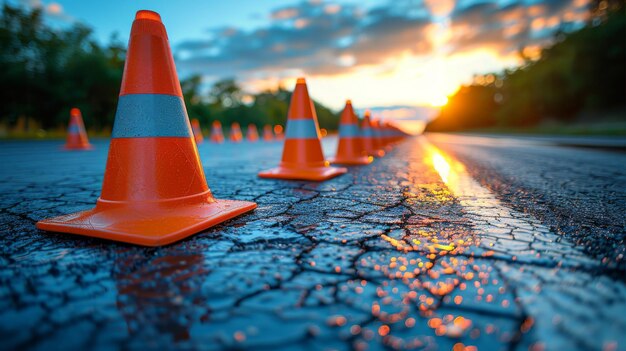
(45, 72)
(577, 78)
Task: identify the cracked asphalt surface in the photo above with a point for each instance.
(446, 243)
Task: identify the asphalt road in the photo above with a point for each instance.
(448, 242)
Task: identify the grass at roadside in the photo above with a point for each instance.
(46, 135)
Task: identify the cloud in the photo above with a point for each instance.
(508, 28)
(415, 51)
(318, 38)
(440, 7)
(52, 10)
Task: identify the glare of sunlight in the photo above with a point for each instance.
(448, 168)
(439, 101)
(441, 166)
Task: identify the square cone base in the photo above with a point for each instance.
(317, 174)
(354, 161)
(153, 226)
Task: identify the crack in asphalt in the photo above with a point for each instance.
(388, 256)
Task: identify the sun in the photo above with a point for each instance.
(438, 101)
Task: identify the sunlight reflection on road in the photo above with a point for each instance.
(518, 243)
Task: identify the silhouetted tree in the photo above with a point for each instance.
(579, 77)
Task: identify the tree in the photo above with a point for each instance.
(578, 77)
(46, 72)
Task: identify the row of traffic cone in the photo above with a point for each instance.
(235, 136)
(77, 136)
(356, 142)
(303, 158)
(360, 143)
(154, 190)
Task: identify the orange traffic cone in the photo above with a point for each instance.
(384, 132)
(378, 138)
(302, 153)
(278, 132)
(379, 130)
(76, 134)
(235, 133)
(253, 133)
(391, 133)
(197, 131)
(154, 190)
(398, 133)
(370, 140)
(267, 133)
(350, 150)
(217, 135)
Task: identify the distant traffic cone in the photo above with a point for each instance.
(235, 133)
(379, 127)
(398, 133)
(278, 132)
(302, 153)
(253, 134)
(378, 137)
(370, 140)
(197, 131)
(76, 134)
(267, 133)
(350, 150)
(217, 135)
(393, 136)
(154, 190)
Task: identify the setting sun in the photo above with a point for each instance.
(439, 101)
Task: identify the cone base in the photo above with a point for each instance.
(154, 226)
(78, 148)
(317, 174)
(352, 161)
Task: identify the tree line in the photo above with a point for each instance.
(580, 78)
(46, 71)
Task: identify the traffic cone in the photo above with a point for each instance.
(302, 152)
(398, 133)
(267, 133)
(370, 140)
(379, 127)
(235, 133)
(76, 134)
(278, 132)
(387, 134)
(253, 134)
(392, 133)
(197, 131)
(154, 190)
(350, 150)
(378, 137)
(217, 135)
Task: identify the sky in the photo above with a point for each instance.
(400, 58)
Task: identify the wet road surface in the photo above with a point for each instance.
(446, 243)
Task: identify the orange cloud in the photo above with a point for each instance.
(439, 8)
(54, 8)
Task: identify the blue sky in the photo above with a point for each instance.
(185, 19)
(388, 55)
